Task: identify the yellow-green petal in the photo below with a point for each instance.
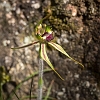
(59, 48)
(44, 56)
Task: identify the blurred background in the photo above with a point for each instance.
(76, 25)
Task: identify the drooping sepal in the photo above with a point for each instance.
(44, 56)
(59, 48)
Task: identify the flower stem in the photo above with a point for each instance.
(40, 82)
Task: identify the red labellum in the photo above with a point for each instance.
(48, 37)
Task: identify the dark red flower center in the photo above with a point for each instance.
(48, 37)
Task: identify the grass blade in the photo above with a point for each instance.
(48, 92)
(26, 79)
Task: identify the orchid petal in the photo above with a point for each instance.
(48, 29)
(59, 48)
(26, 45)
(44, 56)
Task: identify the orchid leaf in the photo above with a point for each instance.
(25, 45)
(44, 56)
(59, 48)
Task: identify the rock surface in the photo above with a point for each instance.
(76, 24)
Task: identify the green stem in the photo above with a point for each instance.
(40, 83)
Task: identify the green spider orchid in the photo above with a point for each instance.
(45, 36)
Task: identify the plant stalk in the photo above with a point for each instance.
(40, 82)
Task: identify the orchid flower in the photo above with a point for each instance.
(45, 36)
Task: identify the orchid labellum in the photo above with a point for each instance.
(45, 36)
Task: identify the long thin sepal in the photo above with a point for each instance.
(59, 48)
(26, 45)
(44, 56)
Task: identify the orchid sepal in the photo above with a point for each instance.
(26, 45)
(44, 56)
(60, 49)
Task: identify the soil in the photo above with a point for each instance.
(76, 24)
